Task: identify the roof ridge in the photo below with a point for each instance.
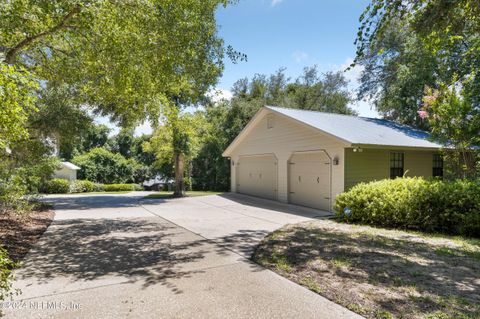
(354, 130)
(331, 113)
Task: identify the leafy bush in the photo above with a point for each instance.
(56, 186)
(98, 187)
(12, 190)
(6, 267)
(20, 178)
(414, 203)
(121, 187)
(81, 186)
(102, 166)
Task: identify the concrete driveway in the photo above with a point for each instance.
(117, 256)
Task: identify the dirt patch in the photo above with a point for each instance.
(379, 273)
(18, 233)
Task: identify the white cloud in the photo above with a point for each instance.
(144, 128)
(275, 2)
(218, 94)
(353, 75)
(300, 56)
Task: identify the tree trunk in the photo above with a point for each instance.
(179, 171)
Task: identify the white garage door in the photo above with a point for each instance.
(257, 176)
(309, 179)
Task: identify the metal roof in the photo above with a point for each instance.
(69, 165)
(361, 130)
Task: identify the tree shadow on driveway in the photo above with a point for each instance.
(148, 250)
(243, 242)
(87, 202)
(139, 250)
(87, 249)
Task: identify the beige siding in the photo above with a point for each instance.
(374, 164)
(369, 165)
(65, 173)
(419, 163)
(286, 137)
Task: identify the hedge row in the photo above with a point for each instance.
(414, 203)
(62, 186)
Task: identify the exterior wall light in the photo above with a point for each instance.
(336, 160)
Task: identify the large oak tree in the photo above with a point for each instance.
(126, 59)
(123, 58)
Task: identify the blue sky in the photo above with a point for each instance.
(291, 34)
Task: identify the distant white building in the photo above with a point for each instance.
(67, 171)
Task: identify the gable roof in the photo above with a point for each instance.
(354, 130)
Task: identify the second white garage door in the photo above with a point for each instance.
(309, 179)
(257, 176)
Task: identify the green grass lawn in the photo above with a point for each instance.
(165, 194)
(379, 273)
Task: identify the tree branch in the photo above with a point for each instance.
(13, 52)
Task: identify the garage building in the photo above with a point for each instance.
(307, 158)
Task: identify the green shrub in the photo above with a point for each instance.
(12, 192)
(20, 181)
(103, 166)
(414, 203)
(80, 186)
(98, 187)
(121, 187)
(56, 186)
(6, 267)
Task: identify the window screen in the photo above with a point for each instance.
(437, 165)
(396, 164)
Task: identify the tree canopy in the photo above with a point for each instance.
(396, 70)
(64, 62)
(123, 58)
(421, 61)
(448, 28)
(17, 100)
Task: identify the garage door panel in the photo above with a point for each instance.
(257, 176)
(309, 180)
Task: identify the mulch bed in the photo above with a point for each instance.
(19, 232)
